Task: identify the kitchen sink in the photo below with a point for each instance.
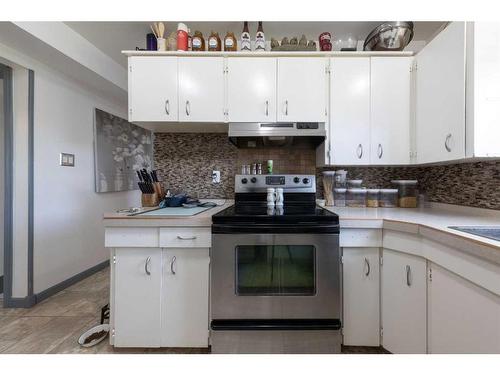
(492, 232)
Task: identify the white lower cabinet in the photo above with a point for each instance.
(159, 297)
(185, 297)
(136, 297)
(404, 303)
(361, 280)
(463, 317)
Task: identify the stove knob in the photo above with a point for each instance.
(244, 181)
(296, 180)
(254, 180)
(306, 180)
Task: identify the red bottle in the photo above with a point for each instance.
(182, 37)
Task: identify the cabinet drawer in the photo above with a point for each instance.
(185, 237)
(353, 237)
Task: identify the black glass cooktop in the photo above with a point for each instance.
(261, 214)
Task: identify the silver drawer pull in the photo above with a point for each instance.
(447, 143)
(146, 266)
(188, 108)
(408, 275)
(367, 267)
(286, 107)
(186, 238)
(167, 107)
(359, 151)
(267, 107)
(172, 262)
(380, 151)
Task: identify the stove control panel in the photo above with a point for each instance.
(289, 183)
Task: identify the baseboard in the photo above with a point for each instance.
(1, 284)
(39, 297)
(19, 303)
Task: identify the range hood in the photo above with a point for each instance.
(277, 134)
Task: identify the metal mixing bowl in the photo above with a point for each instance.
(389, 36)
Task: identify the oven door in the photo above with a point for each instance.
(275, 276)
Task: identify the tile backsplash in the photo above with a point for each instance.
(186, 160)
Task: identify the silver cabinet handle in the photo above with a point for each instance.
(167, 107)
(408, 275)
(267, 107)
(186, 238)
(172, 262)
(380, 151)
(188, 108)
(359, 151)
(146, 266)
(286, 107)
(367, 267)
(447, 143)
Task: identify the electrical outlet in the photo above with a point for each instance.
(215, 177)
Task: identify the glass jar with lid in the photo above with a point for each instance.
(328, 181)
(354, 183)
(339, 195)
(356, 197)
(407, 193)
(388, 198)
(372, 198)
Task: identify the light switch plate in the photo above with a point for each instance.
(67, 160)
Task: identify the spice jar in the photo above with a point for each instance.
(372, 198)
(214, 43)
(198, 41)
(339, 195)
(407, 193)
(230, 42)
(356, 197)
(388, 198)
(328, 179)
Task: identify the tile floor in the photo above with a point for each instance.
(55, 324)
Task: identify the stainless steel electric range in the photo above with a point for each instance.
(275, 274)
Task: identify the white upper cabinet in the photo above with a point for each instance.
(251, 89)
(361, 295)
(390, 110)
(440, 97)
(350, 110)
(302, 89)
(152, 88)
(404, 303)
(201, 89)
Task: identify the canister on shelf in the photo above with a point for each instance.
(372, 198)
(388, 198)
(328, 180)
(407, 193)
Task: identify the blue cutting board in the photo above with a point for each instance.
(175, 211)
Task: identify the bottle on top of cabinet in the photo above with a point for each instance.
(198, 42)
(214, 43)
(245, 38)
(230, 42)
(182, 37)
(260, 40)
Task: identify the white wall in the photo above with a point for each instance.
(68, 230)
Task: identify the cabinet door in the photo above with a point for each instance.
(361, 296)
(390, 110)
(152, 88)
(137, 296)
(440, 106)
(463, 317)
(404, 307)
(201, 89)
(185, 298)
(350, 110)
(251, 89)
(302, 89)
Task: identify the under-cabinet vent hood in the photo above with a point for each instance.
(277, 134)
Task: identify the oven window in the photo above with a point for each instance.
(275, 270)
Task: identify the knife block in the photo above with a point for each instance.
(150, 200)
(159, 190)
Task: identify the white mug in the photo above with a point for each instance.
(271, 196)
(280, 199)
(161, 44)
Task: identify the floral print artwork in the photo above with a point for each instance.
(120, 149)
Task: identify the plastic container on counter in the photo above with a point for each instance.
(388, 198)
(328, 181)
(407, 193)
(341, 178)
(372, 198)
(356, 197)
(339, 195)
(354, 183)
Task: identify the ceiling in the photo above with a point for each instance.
(113, 37)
